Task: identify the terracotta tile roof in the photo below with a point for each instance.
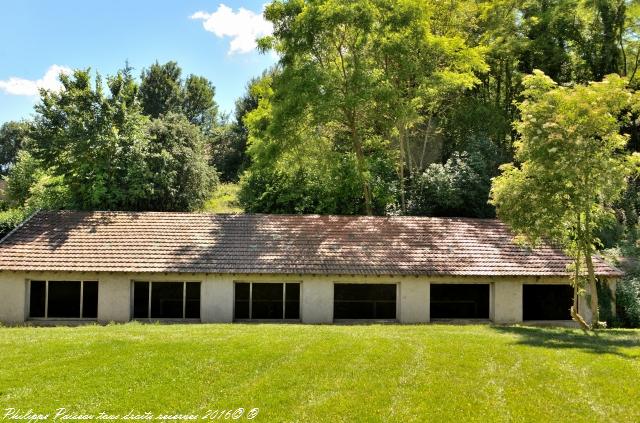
(274, 244)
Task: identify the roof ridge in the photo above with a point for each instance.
(283, 215)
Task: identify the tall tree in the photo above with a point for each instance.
(161, 89)
(364, 71)
(572, 168)
(425, 65)
(95, 142)
(198, 103)
(110, 156)
(603, 45)
(181, 178)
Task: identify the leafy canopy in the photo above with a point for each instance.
(572, 158)
(108, 154)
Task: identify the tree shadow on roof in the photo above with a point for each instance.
(622, 343)
(57, 227)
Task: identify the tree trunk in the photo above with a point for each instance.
(576, 282)
(424, 144)
(590, 272)
(594, 292)
(402, 143)
(357, 147)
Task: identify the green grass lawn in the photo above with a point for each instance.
(325, 373)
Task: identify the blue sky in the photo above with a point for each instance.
(209, 38)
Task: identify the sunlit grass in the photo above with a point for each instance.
(224, 200)
(326, 373)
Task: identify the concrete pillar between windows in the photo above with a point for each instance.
(114, 298)
(316, 301)
(216, 300)
(414, 301)
(507, 302)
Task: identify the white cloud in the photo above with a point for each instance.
(30, 87)
(243, 27)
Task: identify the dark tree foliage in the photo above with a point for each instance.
(181, 178)
(229, 142)
(198, 104)
(13, 136)
(161, 89)
(628, 301)
(549, 28)
(313, 188)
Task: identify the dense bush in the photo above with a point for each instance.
(23, 175)
(325, 187)
(628, 301)
(459, 187)
(105, 154)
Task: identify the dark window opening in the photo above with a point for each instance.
(243, 298)
(459, 301)
(292, 301)
(140, 300)
(364, 301)
(546, 302)
(63, 299)
(192, 301)
(38, 299)
(166, 300)
(267, 301)
(90, 300)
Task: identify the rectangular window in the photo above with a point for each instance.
(141, 300)
(166, 300)
(243, 300)
(63, 299)
(90, 300)
(292, 301)
(364, 301)
(267, 301)
(192, 301)
(459, 301)
(546, 302)
(38, 300)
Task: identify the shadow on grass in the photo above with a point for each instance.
(604, 342)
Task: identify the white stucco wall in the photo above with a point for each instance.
(114, 298)
(316, 300)
(216, 299)
(13, 303)
(316, 294)
(414, 301)
(507, 302)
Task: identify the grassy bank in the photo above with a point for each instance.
(224, 200)
(325, 373)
